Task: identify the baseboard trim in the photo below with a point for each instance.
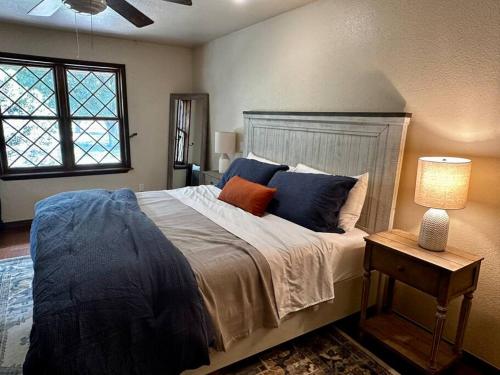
(16, 225)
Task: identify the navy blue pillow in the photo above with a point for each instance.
(310, 200)
(251, 170)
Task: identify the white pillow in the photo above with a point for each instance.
(302, 168)
(351, 210)
(252, 156)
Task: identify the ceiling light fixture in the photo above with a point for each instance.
(46, 8)
(88, 7)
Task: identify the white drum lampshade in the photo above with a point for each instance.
(442, 184)
(225, 143)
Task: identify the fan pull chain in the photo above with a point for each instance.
(77, 40)
(91, 29)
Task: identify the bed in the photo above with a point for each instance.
(256, 297)
(341, 143)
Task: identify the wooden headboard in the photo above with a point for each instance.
(340, 143)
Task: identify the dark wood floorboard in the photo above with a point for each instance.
(15, 242)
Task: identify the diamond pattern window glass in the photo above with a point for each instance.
(96, 142)
(95, 123)
(32, 143)
(92, 93)
(27, 91)
(29, 116)
(61, 118)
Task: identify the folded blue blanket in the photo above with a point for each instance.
(111, 294)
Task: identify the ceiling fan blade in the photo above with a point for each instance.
(130, 13)
(45, 8)
(183, 2)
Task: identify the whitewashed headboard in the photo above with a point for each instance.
(340, 143)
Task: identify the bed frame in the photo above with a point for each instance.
(341, 143)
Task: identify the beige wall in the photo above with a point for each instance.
(438, 59)
(153, 72)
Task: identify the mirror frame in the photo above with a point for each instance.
(203, 99)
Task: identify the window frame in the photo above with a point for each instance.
(61, 92)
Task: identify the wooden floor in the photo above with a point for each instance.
(15, 242)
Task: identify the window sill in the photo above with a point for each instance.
(72, 173)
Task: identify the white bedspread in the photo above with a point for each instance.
(304, 264)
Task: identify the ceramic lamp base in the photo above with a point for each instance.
(434, 230)
(224, 163)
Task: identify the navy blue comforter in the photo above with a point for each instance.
(111, 294)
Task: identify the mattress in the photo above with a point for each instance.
(251, 277)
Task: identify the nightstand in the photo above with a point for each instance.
(443, 275)
(211, 177)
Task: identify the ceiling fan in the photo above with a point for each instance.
(47, 8)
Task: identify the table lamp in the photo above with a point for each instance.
(442, 184)
(225, 143)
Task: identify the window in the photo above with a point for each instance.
(61, 118)
(183, 125)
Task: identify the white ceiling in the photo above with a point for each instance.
(174, 24)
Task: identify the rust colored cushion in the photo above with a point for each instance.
(247, 195)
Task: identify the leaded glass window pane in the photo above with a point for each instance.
(26, 94)
(27, 91)
(96, 142)
(32, 143)
(92, 93)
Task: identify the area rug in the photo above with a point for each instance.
(16, 305)
(324, 351)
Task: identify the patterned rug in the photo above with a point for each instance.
(325, 351)
(16, 304)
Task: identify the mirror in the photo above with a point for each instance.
(187, 139)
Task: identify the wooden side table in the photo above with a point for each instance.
(444, 275)
(211, 177)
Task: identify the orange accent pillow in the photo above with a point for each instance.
(247, 195)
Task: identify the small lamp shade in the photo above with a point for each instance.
(442, 182)
(225, 142)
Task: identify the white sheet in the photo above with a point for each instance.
(304, 264)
